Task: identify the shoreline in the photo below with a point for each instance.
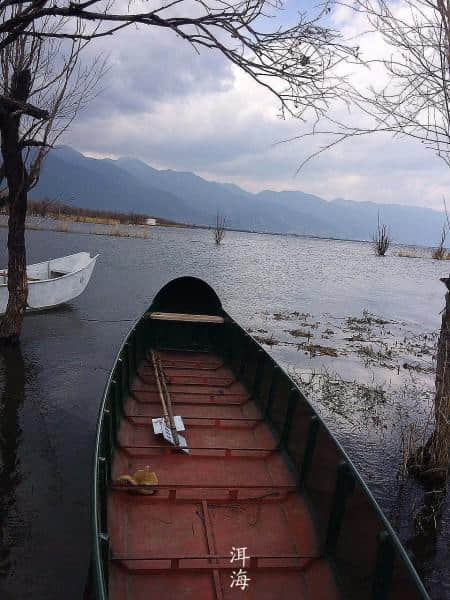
(135, 231)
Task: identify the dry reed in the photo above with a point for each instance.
(440, 252)
(381, 239)
(219, 229)
(408, 254)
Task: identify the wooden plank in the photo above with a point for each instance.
(211, 548)
(163, 316)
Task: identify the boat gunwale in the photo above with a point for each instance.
(99, 578)
(398, 546)
(399, 550)
(32, 281)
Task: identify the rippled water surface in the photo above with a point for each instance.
(272, 285)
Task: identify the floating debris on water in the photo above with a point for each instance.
(318, 349)
(268, 341)
(299, 333)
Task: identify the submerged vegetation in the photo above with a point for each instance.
(440, 253)
(370, 339)
(112, 231)
(54, 209)
(299, 333)
(408, 254)
(47, 208)
(318, 350)
(383, 391)
(48, 215)
(219, 228)
(266, 340)
(381, 239)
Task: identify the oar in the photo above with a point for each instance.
(166, 404)
(169, 405)
(161, 395)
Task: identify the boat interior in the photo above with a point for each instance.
(232, 490)
(51, 269)
(248, 493)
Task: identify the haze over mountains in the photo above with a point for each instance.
(129, 185)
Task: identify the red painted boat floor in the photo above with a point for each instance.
(232, 491)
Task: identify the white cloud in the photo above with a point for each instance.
(175, 109)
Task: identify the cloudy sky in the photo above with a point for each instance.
(172, 108)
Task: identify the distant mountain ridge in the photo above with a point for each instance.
(128, 184)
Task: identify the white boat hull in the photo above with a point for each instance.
(53, 282)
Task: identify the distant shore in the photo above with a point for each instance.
(63, 218)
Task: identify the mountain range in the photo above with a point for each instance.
(131, 185)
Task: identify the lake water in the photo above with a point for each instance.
(350, 362)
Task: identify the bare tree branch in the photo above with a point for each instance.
(414, 99)
(297, 63)
(34, 144)
(23, 108)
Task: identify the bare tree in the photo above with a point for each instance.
(412, 97)
(296, 63)
(219, 228)
(381, 239)
(43, 86)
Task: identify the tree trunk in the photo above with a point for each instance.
(439, 443)
(11, 324)
(431, 462)
(16, 176)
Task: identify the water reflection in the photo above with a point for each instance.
(427, 520)
(63, 309)
(256, 277)
(12, 399)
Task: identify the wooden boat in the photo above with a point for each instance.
(53, 282)
(254, 495)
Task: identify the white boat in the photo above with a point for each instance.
(53, 282)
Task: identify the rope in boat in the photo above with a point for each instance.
(164, 396)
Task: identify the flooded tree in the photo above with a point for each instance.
(219, 228)
(432, 461)
(439, 252)
(43, 86)
(381, 239)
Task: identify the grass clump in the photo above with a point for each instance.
(282, 316)
(116, 232)
(300, 333)
(51, 208)
(290, 316)
(440, 252)
(367, 319)
(408, 254)
(318, 350)
(381, 239)
(266, 340)
(219, 228)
